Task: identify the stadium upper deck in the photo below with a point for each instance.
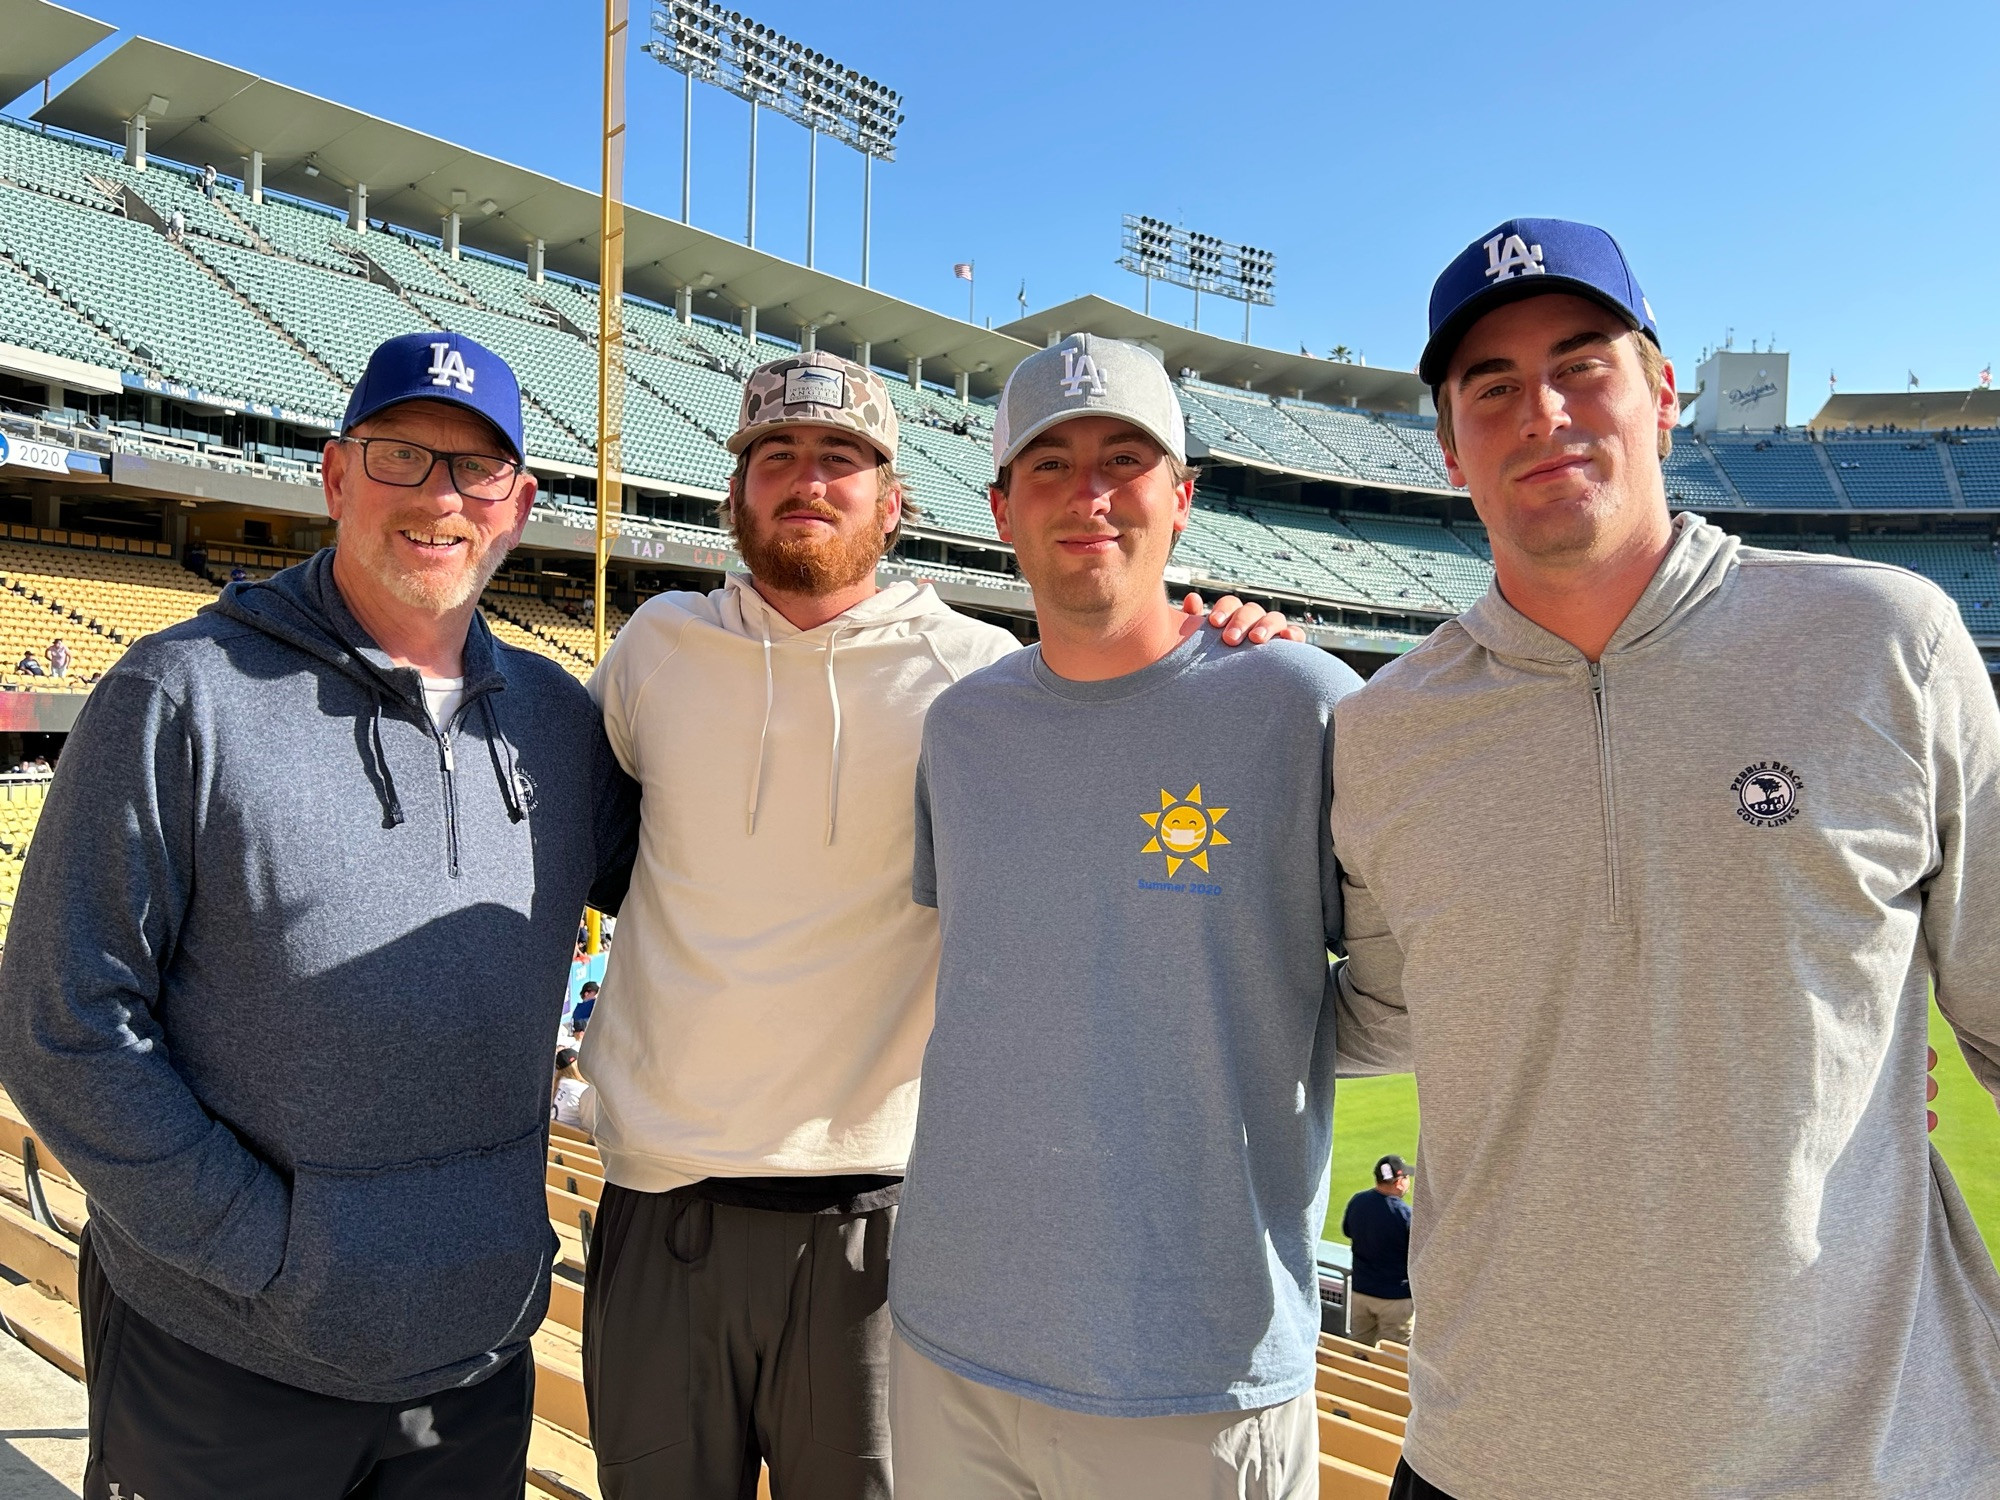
(194, 351)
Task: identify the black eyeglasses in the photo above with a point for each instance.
(477, 476)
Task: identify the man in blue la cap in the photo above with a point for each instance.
(1651, 860)
(326, 828)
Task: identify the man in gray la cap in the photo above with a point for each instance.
(1653, 856)
(1104, 1282)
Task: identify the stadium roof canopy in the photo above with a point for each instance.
(1229, 361)
(1915, 410)
(41, 39)
(217, 113)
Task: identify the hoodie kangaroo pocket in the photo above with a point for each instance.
(393, 1271)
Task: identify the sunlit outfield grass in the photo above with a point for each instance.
(1375, 1116)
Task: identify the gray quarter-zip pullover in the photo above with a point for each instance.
(1657, 935)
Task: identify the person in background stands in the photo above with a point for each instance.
(208, 181)
(571, 1091)
(59, 657)
(1377, 1226)
(28, 666)
(586, 1002)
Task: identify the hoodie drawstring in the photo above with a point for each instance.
(502, 751)
(833, 766)
(392, 805)
(764, 734)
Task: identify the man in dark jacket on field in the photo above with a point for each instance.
(329, 823)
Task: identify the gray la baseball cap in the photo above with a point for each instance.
(1087, 376)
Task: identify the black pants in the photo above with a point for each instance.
(1409, 1485)
(717, 1336)
(168, 1422)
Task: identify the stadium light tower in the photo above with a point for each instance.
(706, 43)
(1153, 248)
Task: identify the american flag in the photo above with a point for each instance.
(1986, 378)
(962, 270)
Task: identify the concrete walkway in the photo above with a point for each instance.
(42, 1431)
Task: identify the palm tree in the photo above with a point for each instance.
(1341, 353)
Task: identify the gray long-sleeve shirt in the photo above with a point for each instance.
(1657, 936)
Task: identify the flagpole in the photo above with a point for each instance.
(971, 285)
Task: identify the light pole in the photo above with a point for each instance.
(750, 229)
(707, 42)
(687, 153)
(1200, 262)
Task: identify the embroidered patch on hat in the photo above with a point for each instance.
(815, 385)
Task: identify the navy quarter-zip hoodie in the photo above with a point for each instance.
(283, 978)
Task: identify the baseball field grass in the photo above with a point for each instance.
(1375, 1116)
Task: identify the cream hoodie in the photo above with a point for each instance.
(768, 998)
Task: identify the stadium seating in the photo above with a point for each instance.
(36, 318)
(20, 807)
(1431, 551)
(1963, 568)
(1977, 462)
(1693, 481)
(156, 302)
(1782, 471)
(1370, 448)
(1257, 427)
(340, 318)
(280, 302)
(1890, 471)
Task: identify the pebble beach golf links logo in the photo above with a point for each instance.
(1767, 793)
(1184, 830)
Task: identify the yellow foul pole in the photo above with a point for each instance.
(610, 327)
(610, 301)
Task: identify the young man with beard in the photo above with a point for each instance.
(328, 822)
(756, 1051)
(1653, 858)
(1105, 1282)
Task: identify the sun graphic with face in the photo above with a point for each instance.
(1184, 830)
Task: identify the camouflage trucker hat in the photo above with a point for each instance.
(816, 389)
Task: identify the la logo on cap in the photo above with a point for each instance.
(1509, 255)
(448, 367)
(1080, 370)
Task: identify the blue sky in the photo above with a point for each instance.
(1815, 173)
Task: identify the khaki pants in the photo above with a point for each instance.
(956, 1439)
(1374, 1319)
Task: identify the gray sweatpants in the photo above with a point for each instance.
(716, 1337)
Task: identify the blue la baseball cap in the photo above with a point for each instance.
(439, 367)
(1525, 258)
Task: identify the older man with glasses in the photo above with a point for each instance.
(328, 826)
